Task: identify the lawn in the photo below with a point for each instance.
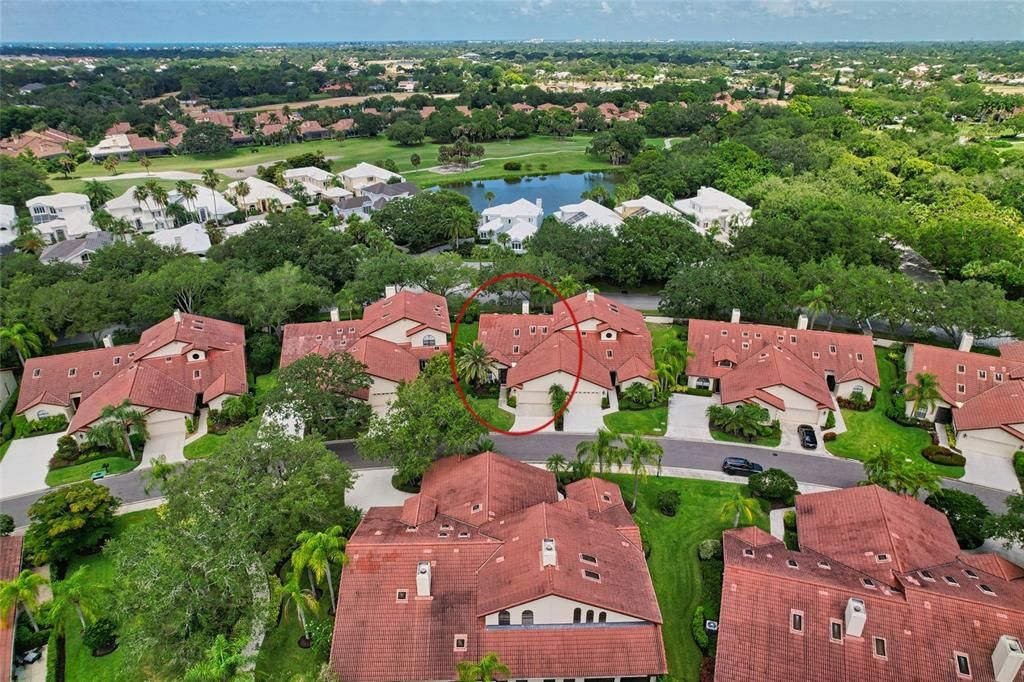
(661, 333)
(537, 154)
(3, 449)
(467, 334)
(649, 422)
(81, 472)
(868, 431)
(81, 665)
(265, 383)
(771, 441)
(675, 569)
(280, 657)
(488, 410)
(204, 446)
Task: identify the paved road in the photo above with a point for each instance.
(817, 469)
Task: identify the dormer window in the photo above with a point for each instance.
(117, 360)
(998, 376)
(970, 574)
(927, 575)
(825, 565)
(402, 596)
(475, 508)
(36, 373)
(515, 332)
(95, 374)
(515, 350)
(748, 553)
(588, 559)
(815, 355)
(72, 371)
(961, 369)
(832, 349)
(792, 338)
(745, 334)
(725, 332)
(791, 563)
(868, 583)
(608, 353)
(533, 329)
(757, 335)
(950, 580)
(882, 558)
(592, 575)
(544, 329)
(860, 357)
(460, 642)
(982, 375)
(961, 388)
(197, 374)
(429, 341)
(746, 345)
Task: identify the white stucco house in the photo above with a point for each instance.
(65, 215)
(589, 213)
(714, 210)
(8, 219)
(363, 174)
(520, 220)
(645, 206)
(261, 197)
(191, 238)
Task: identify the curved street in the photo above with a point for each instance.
(806, 468)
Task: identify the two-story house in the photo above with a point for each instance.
(65, 215)
(519, 220)
(363, 174)
(713, 210)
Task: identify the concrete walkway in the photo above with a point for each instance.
(24, 467)
(373, 489)
(776, 519)
(155, 175)
(687, 417)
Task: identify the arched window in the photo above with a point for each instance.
(527, 617)
(429, 340)
(602, 617)
(577, 614)
(504, 618)
(590, 616)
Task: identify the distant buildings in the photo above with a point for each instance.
(589, 213)
(714, 210)
(261, 197)
(125, 145)
(45, 144)
(878, 590)
(149, 216)
(76, 251)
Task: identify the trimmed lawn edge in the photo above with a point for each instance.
(82, 472)
(767, 441)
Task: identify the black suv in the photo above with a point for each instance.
(738, 466)
(808, 440)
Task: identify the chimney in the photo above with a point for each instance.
(856, 616)
(1007, 658)
(526, 307)
(801, 322)
(540, 203)
(590, 296)
(966, 341)
(389, 291)
(177, 315)
(735, 316)
(108, 341)
(335, 314)
(548, 556)
(423, 579)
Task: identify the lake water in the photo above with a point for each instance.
(554, 191)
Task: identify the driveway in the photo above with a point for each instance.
(170, 445)
(583, 419)
(687, 416)
(24, 467)
(373, 489)
(988, 470)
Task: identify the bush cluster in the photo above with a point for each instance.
(789, 520)
(1018, 464)
(668, 502)
(773, 484)
(236, 410)
(709, 549)
(511, 400)
(100, 635)
(700, 635)
(321, 632)
(703, 392)
(828, 436)
(967, 515)
(830, 420)
(857, 402)
(936, 454)
(52, 424)
(512, 166)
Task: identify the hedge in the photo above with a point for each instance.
(709, 549)
(1018, 464)
(936, 454)
(700, 635)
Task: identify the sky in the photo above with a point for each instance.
(233, 21)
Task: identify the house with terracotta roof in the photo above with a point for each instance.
(43, 144)
(488, 559)
(394, 339)
(179, 365)
(124, 145)
(878, 590)
(981, 395)
(535, 351)
(796, 374)
(10, 567)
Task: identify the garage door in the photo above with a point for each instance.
(795, 416)
(165, 424)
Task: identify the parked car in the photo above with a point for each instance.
(739, 466)
(807, 438)
(28, 657)
(97, 475)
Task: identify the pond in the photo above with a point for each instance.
(553, 190)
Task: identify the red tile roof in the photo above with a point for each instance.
(343, 124)
(144, 144)
(10, 566)
(381, 638)
(1001, 406)
(385, 359)
(119, 128)
(422, 307)
(797, 358)
(43, 144)
(922, 621)
(555, 343)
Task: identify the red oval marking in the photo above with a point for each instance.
(579, 346)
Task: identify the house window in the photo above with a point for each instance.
(858, 389)
(796, 621)
(880, 650)
(921, 413)
(882, 558)
(72, 372)
(515, 349)
(577, 615)
(475, 508)
(825, 565)
(592, 575)
(745, 334)
(757, 335)
(832, 349)
(792, 563)
(927, 575)
(197, 373)
(970, 574)
(527, 617)
(608, 352)
(515, 332)
(999, 376)
(460, 642)
(746, 345)
(429, 340)
(835, 630)
(747, 552)
(544, 329)
(960, 388)
(982, 374)
(587, 558)
(950, 580)
(36, 373)
(117, 359)
(963, 665)
(985, 589)
(868, 583)
(402, 596)
(590, 616)
(860, 357)
(792, 338)
(504, 618)
(961, 369)
(533, 329)
(602, 617)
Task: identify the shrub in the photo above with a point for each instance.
(789, 520)
(484, 445)
(828, 436)
(25, 638)
(830, 420)
(790, 538)
(67, 448)
(263, 351)
(857, 402)
(645, 541)
(605, 403)
(636, 397)
(511, 401)
(773, 484)
(321, 631)
(700, 635)
(668, 502)
(936, 454)
(6, 525)
(966, 513)
(1018, 464)
(52, 424)
(512, 166)
(709, 549)
(100, 634)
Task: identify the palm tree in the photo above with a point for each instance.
(22, 591)
(559, 398)
(601, 450)
(67, 165)
(110, 164)
(189, 193)
(98, 192)
(145, 162)
(459, 226)
(73, 595)
(895, 472)
(242, 190)
(292, 593)
(116, 426)
(556, 464)
(490, 196)
(817, 301)
(23, 340)
(316, 553)
(484, 670)
(222, 660)
(141, 196)
(671, 356)
(159, 473)
(641, 453)
(178, 213)
(746, 421)
(210, 179)
(475, 364)
(739, 507)
(924, 392)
